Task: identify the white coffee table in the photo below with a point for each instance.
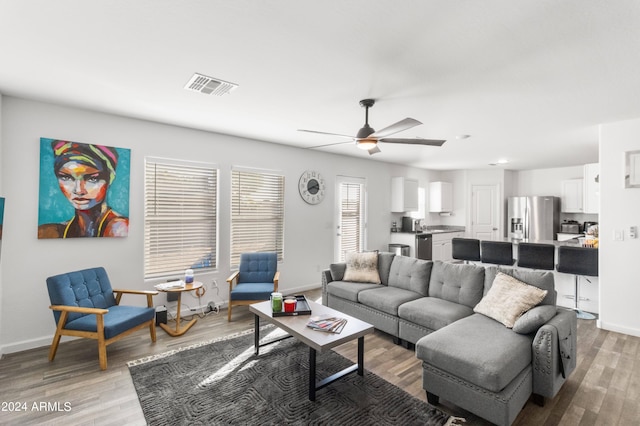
(318, 341)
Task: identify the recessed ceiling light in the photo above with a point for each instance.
(463, 136)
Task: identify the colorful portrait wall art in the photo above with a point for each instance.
(84, 190)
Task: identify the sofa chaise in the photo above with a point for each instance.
(480, 349)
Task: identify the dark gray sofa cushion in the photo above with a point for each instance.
(457, 283)
(338, 270)
(410, 274)
(479, 350)
(433, 313)
(384, 266)
(541, 279)
(386, 298)
(348, 290)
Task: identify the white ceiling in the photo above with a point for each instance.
(529, 80)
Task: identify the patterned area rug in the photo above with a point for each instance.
(222, 382)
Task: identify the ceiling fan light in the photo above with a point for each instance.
(366, 144)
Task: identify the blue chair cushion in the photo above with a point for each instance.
(257, 267)
(88, 288)
(119, 319)
(252, 291)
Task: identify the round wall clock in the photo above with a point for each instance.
(312, 187)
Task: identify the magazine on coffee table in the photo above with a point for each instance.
(327, 323)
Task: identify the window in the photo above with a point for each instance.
(257, 213)
(351, 216)
(180, 218)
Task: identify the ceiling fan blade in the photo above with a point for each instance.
(325, 133)
(374, 150)
(414, 141)
(401, 125)
(328, 144)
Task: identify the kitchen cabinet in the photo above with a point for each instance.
(571, 200)
(404, 195)
(440, 197)
(592, 188)
(442, 248)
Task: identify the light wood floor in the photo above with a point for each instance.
(604, 389)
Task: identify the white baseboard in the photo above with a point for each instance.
(31, 344)
(617, 328)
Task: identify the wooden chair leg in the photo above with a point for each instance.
(56, 338)
(102, 345)
(54, 346)
(229, 313)
(152, 329)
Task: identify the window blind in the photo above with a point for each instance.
(257, 213)
(180, 229)
(350, 218)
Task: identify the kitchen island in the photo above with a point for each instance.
(565, 284)
(437, 237)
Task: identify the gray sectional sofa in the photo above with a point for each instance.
(468, 358)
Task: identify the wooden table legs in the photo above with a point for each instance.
(178, 331)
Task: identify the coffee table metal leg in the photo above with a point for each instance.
(256, 335)
(360, 356)
(312, 374)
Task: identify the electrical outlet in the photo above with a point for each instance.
(618, 235)
(633, 232)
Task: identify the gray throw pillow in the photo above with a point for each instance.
(534, 318)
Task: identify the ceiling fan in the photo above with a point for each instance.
(367, 138)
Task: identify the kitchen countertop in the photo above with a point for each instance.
(434, 230)
(572, 242)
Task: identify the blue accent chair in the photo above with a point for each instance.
(85, 305)
(256, 278)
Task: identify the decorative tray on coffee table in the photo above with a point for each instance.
(302, 308)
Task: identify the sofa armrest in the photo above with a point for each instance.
(326, 279)
(554, 353)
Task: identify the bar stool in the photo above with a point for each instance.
(579, 261)
(467, 249)
(536, 256)
(497, 252)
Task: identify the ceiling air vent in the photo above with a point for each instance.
(209, 85)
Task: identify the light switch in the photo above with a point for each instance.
(618, 235)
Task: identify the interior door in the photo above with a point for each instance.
(350, 216)
(485, 212)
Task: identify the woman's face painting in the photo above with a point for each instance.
(83, 185)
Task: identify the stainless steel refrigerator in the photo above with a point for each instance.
(533, 218)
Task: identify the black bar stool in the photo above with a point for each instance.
(467, 249)
(579, 261)
(537, 256)
(497, 252)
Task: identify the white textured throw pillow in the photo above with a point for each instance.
(362, 268)
(509, 298)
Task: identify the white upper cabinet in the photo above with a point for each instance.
(572, 196)
(440, 197)
(592, 188)
(404, 195)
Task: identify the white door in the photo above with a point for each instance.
(484, 212)
(350, 216)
